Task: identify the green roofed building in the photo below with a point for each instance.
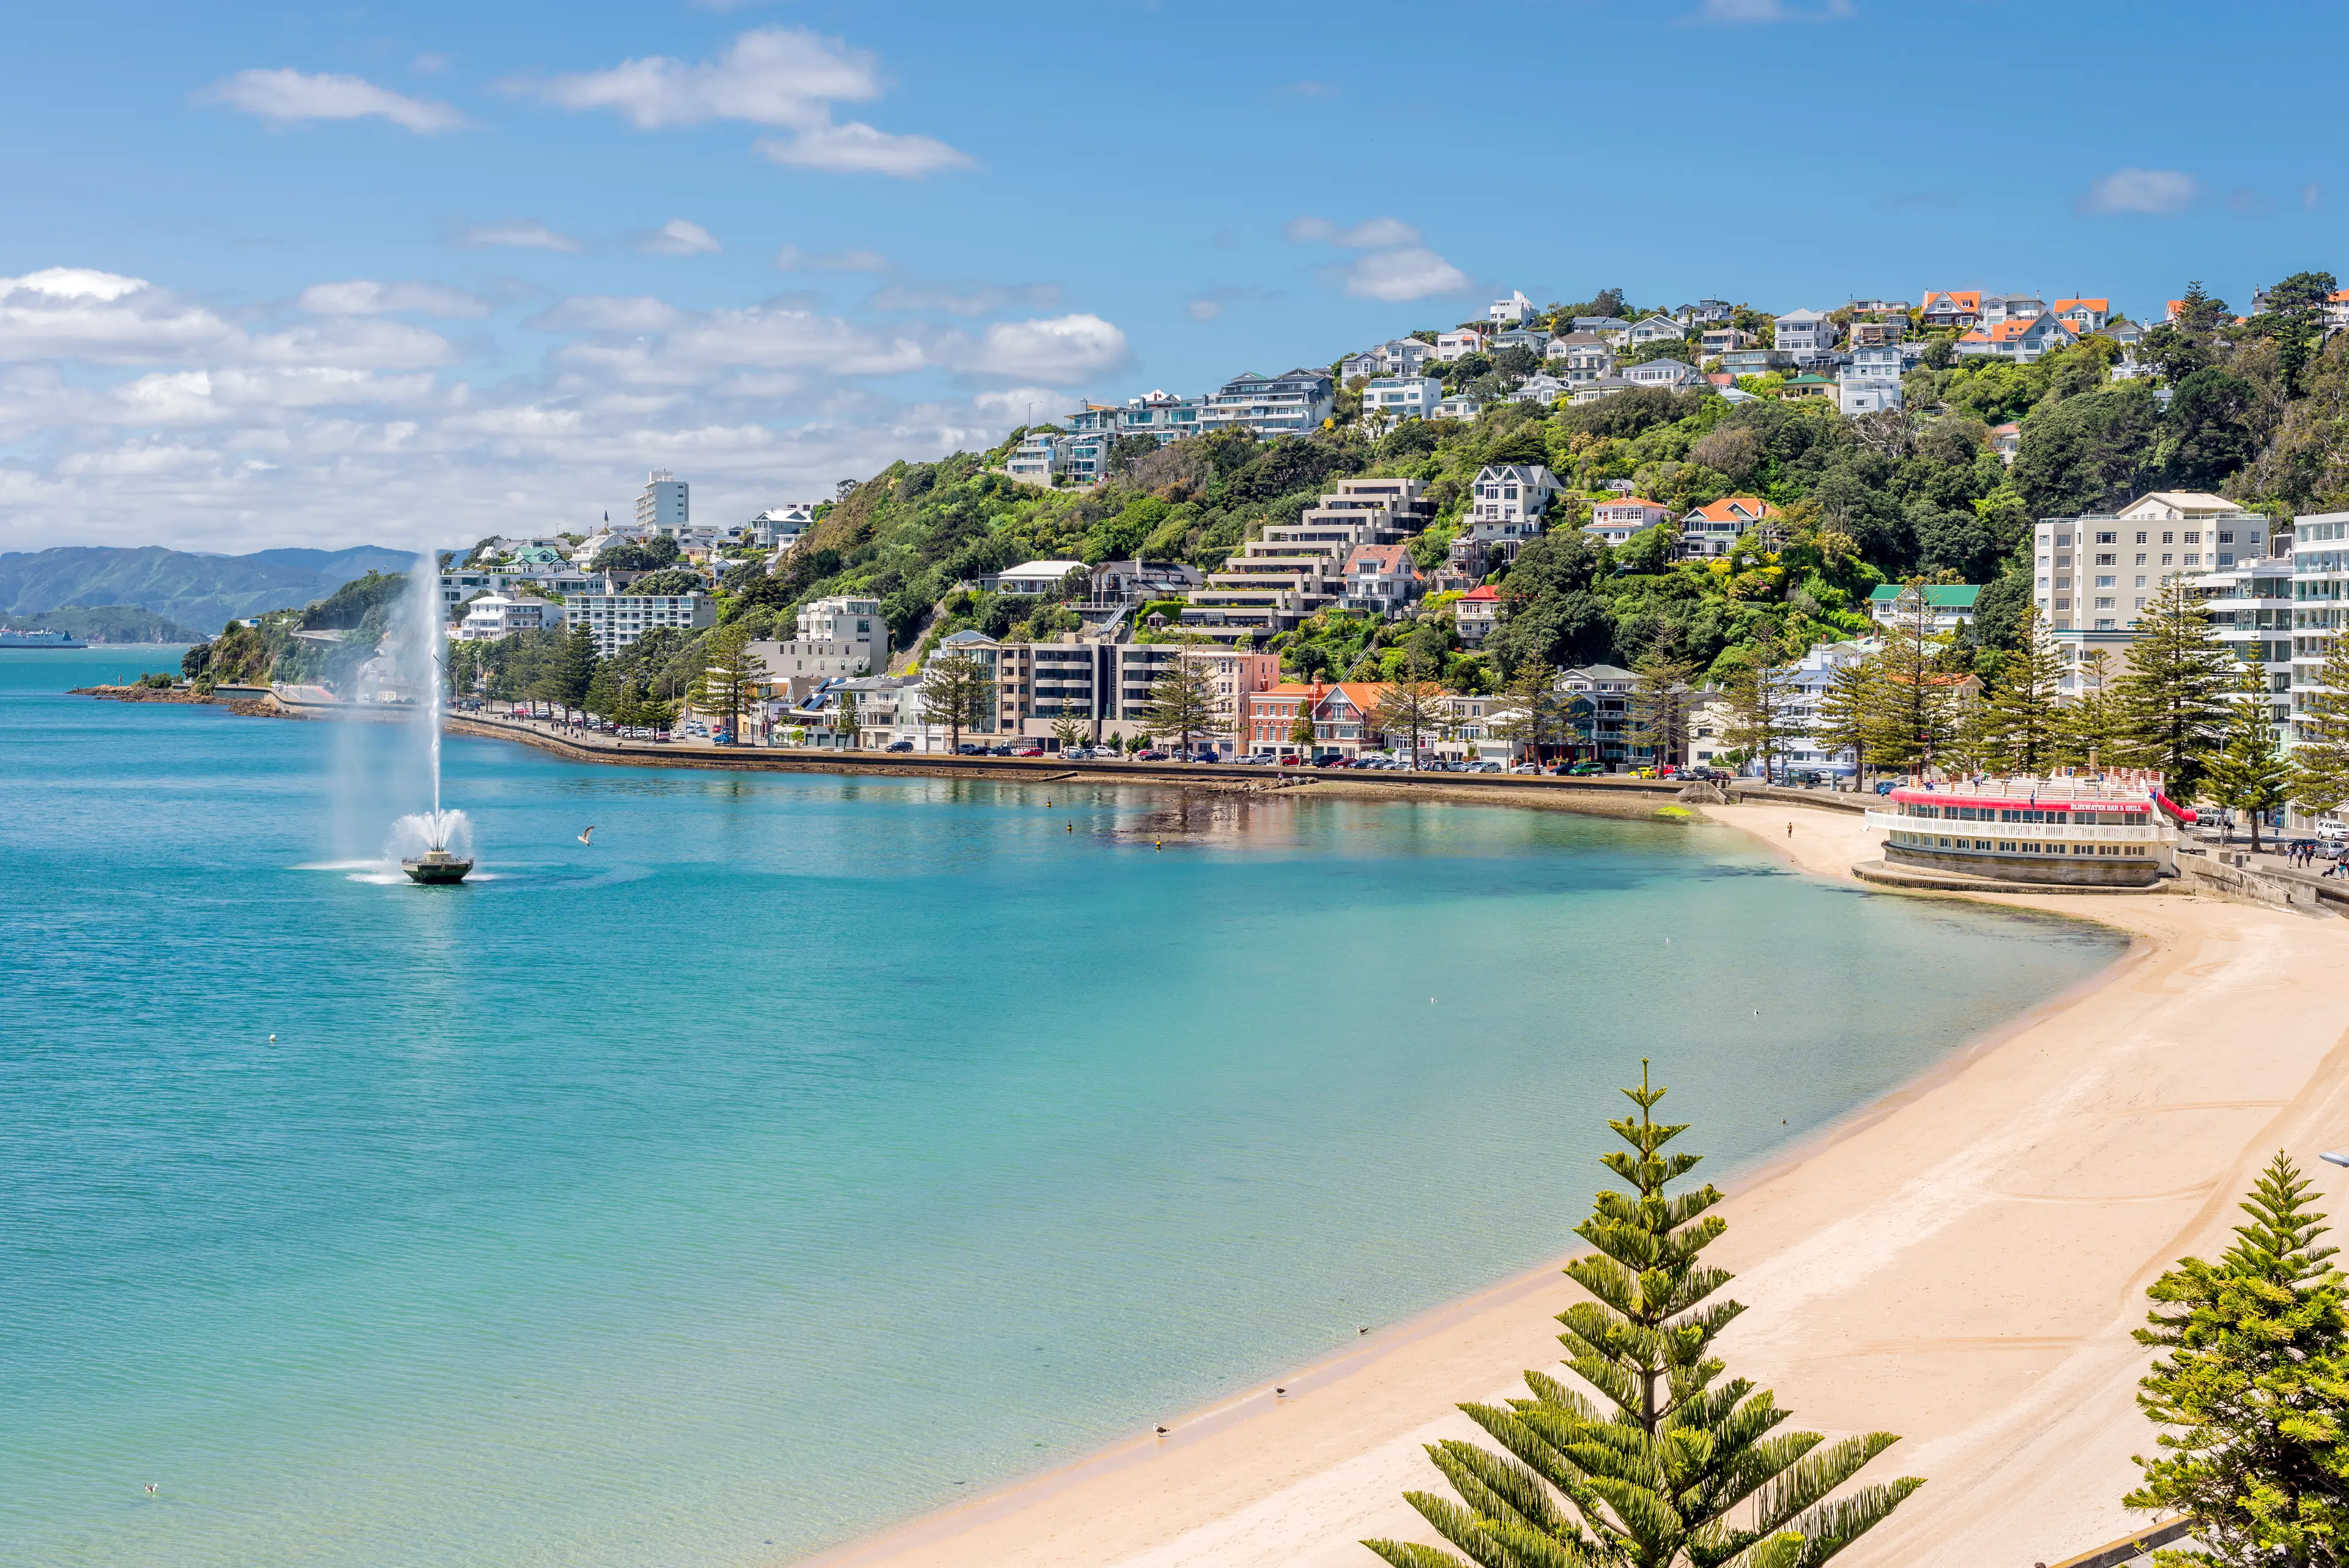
(1952, 603)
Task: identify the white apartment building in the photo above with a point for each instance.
(1395, 357)
(1872, 382)
(1040, 455)
(779, 527)
(665, 504)
(2251, 606)
(2093, 576)
(2319, 586)
(1804, 337)
(495, 616)
(1512, 311)
(1399, 398)
(838, 634)
(618, 619)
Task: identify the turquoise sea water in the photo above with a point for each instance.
(810, 1151)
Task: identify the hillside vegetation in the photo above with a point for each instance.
(192, 590)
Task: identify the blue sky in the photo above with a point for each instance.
(415, 273)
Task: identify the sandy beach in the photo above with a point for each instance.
(1961, 1263)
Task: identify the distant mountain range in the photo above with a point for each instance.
(105, 623)
(205, 592)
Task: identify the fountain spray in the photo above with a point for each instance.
(424, 641)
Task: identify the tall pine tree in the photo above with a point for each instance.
(1671, 1465)
(2248, 773)
(2173, 697)
(1841, 720)
(2019, 722)
(1916, 712)
(2254, 1391)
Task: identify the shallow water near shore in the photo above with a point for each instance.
(810, 1151)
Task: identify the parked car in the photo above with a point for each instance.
(1886, 787)
(999, 751)
(898, 746)
(1028, 751)
(1526, 768)
(1584, 770)
(1150, 754)
(1290, 760)
(2333, 831)
(1206, 755)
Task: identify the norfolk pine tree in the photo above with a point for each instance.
(731, 678)
(2253, 1392)
(956, 691)
(2089, 729)
(1182, 703)
(2319, 762)
(1412, 706)
(2173, 697)
(1068, 731)
(1916, 716)
(847, 721)
(2019, 722)
(1660, 704)
(1529, 713)
(2248, 773)
(1669, 1467)
(1845, 708)
(1761, 699)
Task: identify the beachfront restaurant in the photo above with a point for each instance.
(2115, 831)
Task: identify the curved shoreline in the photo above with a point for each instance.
(2004, 1207)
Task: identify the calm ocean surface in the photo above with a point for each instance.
(811, 1151)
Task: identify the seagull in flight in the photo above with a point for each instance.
(588, 838)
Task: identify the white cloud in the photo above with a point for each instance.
(786, 78)
(73, 283)
(1735, 12)
(363, 296)
(790, 258)
(1062, 350)
(1404, 274)
(962, 299)
(1374, 234)
(679, 238)
(519, 236)
(771, 75)
(1203, 308)
(606, 313)
(334, 418)
(289, 97)
(2158, 191)
(858, 149)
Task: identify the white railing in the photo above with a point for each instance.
(2059, 832)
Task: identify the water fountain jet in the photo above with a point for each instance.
(439, 866)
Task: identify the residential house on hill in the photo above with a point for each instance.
(1709, 531)
(1402, 396)
(1804, 337)
(1540, 389)
(2082, 316)
(1952, 603)
(2006, 440)
(1958, 309)
(1999, 308)
(1476, 613)
(2022, 340)
(1290, 403)
(1871, 382)
(1396, 357)
(1460, 405)
(1670, 375)
(1704, 312)
(1458, 343)
(1755, 362)
(1615, 521)
(1525, 338)
(1613, 329)
(1382, 580)
(1657, 329)
(1715, 341)
(1587, 355)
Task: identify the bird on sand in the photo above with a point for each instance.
(588, 838)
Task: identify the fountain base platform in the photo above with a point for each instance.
(437, 869)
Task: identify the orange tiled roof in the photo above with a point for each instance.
(1965, 299)
(2061, 306)
(1733, 508)
(1485, 594)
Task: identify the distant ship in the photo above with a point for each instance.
(38, 639)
